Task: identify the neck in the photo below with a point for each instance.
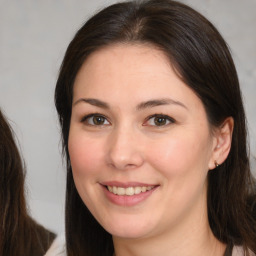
(211, 248)
(192, 236)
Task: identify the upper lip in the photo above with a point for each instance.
(126, 184)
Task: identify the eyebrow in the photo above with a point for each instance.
(143, 105)
(94, 102)
(159, 102)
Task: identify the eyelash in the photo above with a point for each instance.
(160, 116)
(87, 117)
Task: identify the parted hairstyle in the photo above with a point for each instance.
(203, 61)
(20, 235)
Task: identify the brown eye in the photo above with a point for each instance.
(95, 120)
(98, 120)
(159, 121)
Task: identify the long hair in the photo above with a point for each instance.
(19, 233)
(203, 61)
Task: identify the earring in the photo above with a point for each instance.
(216, 164)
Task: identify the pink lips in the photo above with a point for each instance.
(125, 184)
(127, 200)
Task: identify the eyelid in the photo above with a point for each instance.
(86, 117)
(170, 119)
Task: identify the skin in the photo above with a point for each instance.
(132, 83)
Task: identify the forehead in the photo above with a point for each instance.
(128, 56)
(129, 72)
(124, 64)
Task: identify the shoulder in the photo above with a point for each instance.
(239, 251)
(58, 247)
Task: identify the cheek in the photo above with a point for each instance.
(179, 155)
(182, 163)
(85, 155)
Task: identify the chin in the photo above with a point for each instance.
(129, 229)
(129, 234)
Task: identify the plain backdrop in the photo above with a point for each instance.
(33, 38)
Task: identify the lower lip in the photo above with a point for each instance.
(127, 200)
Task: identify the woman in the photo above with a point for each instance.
(19, 233)
(154, 134)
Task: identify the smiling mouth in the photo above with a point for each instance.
(130, 191)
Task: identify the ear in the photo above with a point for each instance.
(221, 143)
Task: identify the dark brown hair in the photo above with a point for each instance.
(19, 233)
(203, 61)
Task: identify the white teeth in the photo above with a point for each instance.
(115, 190)
(130, 191)
(121, 191)
(137, 190)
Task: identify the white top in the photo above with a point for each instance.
(238, 251)
(58, 248)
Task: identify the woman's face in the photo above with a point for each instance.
(140, 144)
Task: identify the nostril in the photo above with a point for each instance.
(125, 160)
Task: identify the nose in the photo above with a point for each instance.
(124, 150)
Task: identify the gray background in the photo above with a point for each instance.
(33, 39)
